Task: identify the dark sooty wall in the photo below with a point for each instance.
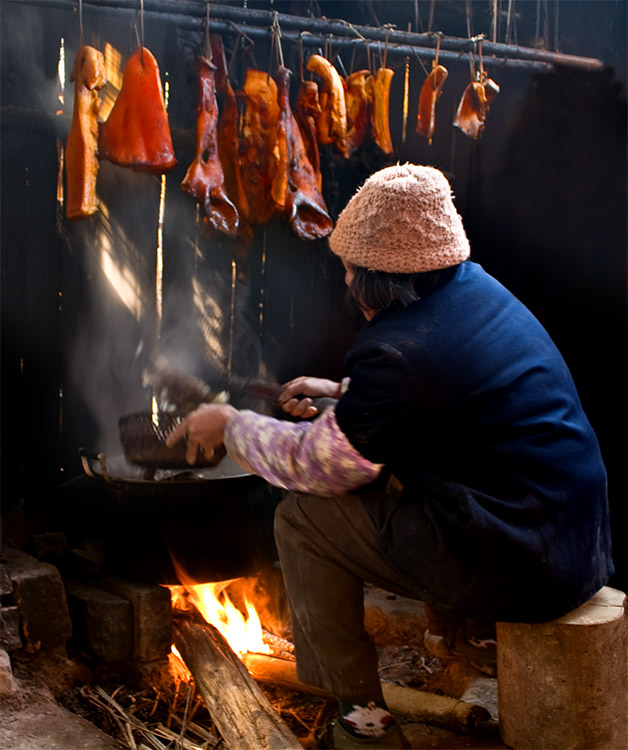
(542, 194)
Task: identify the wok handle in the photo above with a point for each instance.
(87, 456)
(262, 388)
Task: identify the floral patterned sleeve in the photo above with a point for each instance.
(313, 457)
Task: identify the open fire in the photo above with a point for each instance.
(242, 630)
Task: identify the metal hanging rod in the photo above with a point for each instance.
(315, 32)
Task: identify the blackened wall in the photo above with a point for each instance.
(542, 194)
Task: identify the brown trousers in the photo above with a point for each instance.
(328, 548)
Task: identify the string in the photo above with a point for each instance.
(81, 34)
(386, 46)
(208, 49)
(142, 31)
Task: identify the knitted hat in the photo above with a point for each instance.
(402, 220)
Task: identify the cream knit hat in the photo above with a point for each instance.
(402, 220)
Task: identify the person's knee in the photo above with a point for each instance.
(285, 512)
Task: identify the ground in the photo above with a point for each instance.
(60, 704)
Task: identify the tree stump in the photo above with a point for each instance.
(564, 684)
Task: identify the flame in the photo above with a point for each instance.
(243, 632)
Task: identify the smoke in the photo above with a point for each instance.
(202, 325)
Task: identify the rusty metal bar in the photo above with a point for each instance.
(315, 31)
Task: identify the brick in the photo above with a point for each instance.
(152, 616)
(39, 594)
(10, 628)
(8, 685)
(103, 622)
(6, 584)
(49, 545)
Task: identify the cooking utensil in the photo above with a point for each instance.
(143, 438)
(215, 522)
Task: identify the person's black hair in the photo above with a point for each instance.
(376, 290)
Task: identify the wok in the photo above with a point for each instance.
(214, 523)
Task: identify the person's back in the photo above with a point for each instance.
(466, 400)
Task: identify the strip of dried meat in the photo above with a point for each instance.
(81, 150)
(204, 179)
(136, 133)
(294, 187)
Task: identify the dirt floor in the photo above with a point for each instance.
(37, 721)
(55, 702)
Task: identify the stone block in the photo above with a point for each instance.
(8, 685)
(152, 616)
(10, 628)
(564, 684)
(103, 622)
(39, 594)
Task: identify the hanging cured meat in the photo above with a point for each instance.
(204, 179)
(81, 158)
(136, 133)
(259, 131)
(307, 111)
(474, 106)
(294, 187)
(358, 108)
(332, 123)
(430, 93)
(228, 140)
(380, 126)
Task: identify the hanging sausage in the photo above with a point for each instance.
(332, 123)
(430, 93)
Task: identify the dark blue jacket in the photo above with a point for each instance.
(467, 401)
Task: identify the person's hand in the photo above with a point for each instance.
(202, 428)
(296, 396)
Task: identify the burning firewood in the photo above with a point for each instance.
(418, 705)
(240, 710)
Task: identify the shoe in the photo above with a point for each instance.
(336, 737)
(481, 655)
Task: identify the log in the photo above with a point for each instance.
(240, 710)
(418, 705)
(564, 683)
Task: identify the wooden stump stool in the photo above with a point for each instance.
(563, 685)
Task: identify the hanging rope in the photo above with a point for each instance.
(208, 47)
(81, 34)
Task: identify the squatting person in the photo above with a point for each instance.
(457, 465)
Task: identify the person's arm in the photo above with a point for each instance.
(313, 457)
(303, 396)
